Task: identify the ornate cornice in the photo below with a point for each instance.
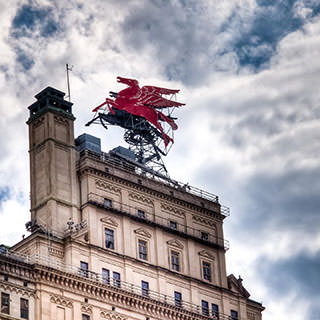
(87, 308)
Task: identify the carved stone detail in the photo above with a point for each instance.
(38, 122)
(61, 120)
(204, 221)
(175, 243)
(16, 289)
(109, 221)
(141, 198)
(172, 209)
(87, 308)
(62, 301)
(207, 254)
(55, 252)
(107, 186)
(143, 233)
(111, 315)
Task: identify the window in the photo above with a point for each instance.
(205, 307)
(107, 203)
(24, 308)
(84, 269)
(116, 279)
(143, 249)
(109, 235)
(215, 311)
(173, 225)
(5, 303)
(178, 299)
(234, 315)
(145, 288)
(204, 236)
(206, 270)
(105, 276)
(175, 261)
(141, 214)
(85, 317)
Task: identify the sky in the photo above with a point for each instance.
(248, 71)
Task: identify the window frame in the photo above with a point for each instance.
(215, 311)
(107, 203)
(24, 312)
(234, 316)
(144, 288)
(205, 275)
(85, 316)
(204, 235)
(176, 253)
(178, 302)
(105, 280)
(143, 255)
(205, 310)
(141, 213)
(173, 225)
(84, 272)
(116, 282)
(113, 238)
(4, 306)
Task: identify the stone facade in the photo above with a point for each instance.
(109, 241)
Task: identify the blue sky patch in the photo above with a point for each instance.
(29, 18)
(273, 20)
(4, 194)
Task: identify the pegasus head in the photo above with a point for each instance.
(127, 81)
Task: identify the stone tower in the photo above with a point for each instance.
(54, 189)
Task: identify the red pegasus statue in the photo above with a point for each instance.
(144, 102)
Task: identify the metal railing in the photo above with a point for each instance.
(112, 283)
(146, 172)
(158, 220)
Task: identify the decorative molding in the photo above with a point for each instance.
(172, 209)
(109, 221)
(87, 308)
(60, 300)
(7, 286)
(61, 120)
(204, 221)
(38, 122)
(142, 232)
(111, 315)
(251, 315)
(141, 198)
(107, 186)
(55, 252)
(175, 243)
(207, 254)
(233, 302)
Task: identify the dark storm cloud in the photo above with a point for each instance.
(29, 18)
(273, 20)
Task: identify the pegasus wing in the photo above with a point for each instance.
(158, 90)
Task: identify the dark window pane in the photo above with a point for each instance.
(204, 236)
(178, 299)
(205, 307)
(145, 288)
(116, 279)
(109, 235)
(24, 308)
(107, 203)
(85, 317)
(143, 250)
(206, 269)
(215, 311)
(175, 261)
(105, 276)
(173, 225)
(141, 214)
(234, 315)
(5, 303)
(84, 269)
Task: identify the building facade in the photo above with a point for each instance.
(111, 240)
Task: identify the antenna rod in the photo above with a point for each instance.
(68, 81)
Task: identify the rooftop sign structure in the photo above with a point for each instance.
(146, 116)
